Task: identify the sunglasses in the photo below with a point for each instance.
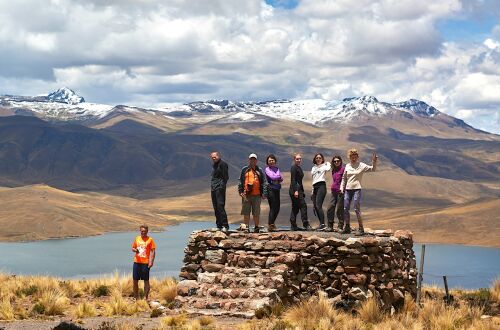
(336, 161)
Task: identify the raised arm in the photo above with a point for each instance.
(373, 167)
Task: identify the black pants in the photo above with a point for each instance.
(336, 202)
(319, 198)
(219, 203)
(273, 197)
(298, 204)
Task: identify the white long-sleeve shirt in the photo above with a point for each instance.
(318, 172)
(353, 174)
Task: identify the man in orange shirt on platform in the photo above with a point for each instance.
(252, 187)
(145, 250)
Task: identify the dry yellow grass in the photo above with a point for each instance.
(370, 311)
(307, 314)
(495, 290)
(22, 297)
(85, 309)
(117, 306)
(6, 310)
(53, 302)
(174, 321)
(167, 290)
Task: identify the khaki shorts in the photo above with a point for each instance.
(251, 204)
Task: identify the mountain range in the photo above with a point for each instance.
(65, 105)
(159, 155)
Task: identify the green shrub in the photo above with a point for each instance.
(101, 290)
(38, 309)
(29, 291)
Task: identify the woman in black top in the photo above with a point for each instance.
(297, 194)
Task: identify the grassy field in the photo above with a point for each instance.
(33, 302)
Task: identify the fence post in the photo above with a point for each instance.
(446, 289)
(420, 275)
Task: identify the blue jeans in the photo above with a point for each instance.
(354, 196)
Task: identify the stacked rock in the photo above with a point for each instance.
(238, 273)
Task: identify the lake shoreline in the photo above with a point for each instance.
(159, 229)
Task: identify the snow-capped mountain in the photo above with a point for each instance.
(313, 111)
(65, 95)
(65, 105)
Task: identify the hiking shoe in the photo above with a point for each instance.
(321, 227)
(272, 227)
(346, 230)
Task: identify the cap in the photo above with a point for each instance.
(252, 156)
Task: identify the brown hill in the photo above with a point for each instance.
(40, 212)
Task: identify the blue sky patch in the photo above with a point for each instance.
(286, 4)
(466, 29)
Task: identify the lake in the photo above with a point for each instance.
(465, 266)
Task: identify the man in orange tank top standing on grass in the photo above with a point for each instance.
(145, 250)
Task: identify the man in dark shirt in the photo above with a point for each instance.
(220, 175)
(297, 195)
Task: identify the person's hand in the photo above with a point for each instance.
(296, 194)
(374, 158)
(150, 265)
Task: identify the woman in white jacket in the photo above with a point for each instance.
(319, 187)
(351, 187)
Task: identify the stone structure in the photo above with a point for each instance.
(238, 273)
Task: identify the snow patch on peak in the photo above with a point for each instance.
(65, 95)
(364, 99)
(418, 107)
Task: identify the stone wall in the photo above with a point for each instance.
(238, 273)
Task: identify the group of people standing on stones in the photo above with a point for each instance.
(255, 184)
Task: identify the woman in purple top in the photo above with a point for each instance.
(337, 200)
(274, 178)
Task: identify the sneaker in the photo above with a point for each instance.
(361, 231)
(308, 228)
(225, 229)
(256, 229)
(321, 227)
(329, 228)
(272, 227)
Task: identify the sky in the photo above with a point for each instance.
(149, 52)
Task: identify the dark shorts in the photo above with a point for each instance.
(140, 272)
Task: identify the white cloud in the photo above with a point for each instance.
(151, 51)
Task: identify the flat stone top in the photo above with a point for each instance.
(378, 235)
